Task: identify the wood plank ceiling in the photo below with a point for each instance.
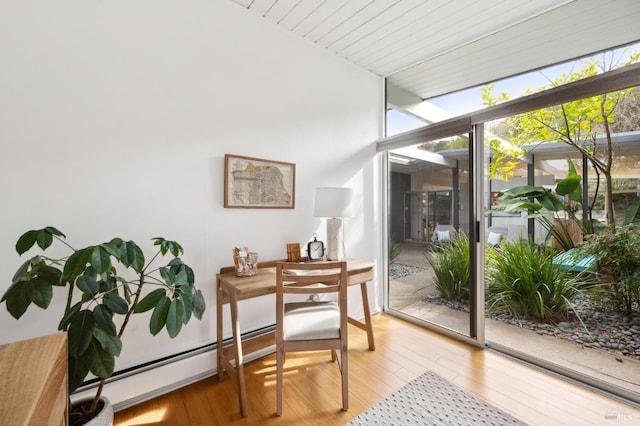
(434, 47)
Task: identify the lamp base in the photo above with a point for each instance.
(335, 244)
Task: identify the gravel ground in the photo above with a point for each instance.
(398, 271)
(606, 330)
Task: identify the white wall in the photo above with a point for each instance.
(115, 118)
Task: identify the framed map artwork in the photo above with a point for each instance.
(254, 183)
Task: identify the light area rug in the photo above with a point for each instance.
(432, 400)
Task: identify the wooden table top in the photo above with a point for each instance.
(264, 282)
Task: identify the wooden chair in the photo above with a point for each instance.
(311, 325)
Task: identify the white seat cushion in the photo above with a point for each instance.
(311, 320)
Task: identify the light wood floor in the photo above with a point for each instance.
(403, 351)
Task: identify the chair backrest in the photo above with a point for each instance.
(311, 325)
(312, 278)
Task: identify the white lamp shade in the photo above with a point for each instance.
(333, 202)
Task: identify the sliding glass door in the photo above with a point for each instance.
(430, 252)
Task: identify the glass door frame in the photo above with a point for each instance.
(475, 157)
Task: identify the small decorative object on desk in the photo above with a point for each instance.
(246, 262)
(293, 252)
(315, 249)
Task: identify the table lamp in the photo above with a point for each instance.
(334, 204)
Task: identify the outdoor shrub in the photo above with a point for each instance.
(618, 254)
(521, 278)
(450, 264)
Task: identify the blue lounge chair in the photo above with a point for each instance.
(572, 260)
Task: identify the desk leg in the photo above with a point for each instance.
(219, 305)
(237, 340)
(367, 316)
(366, 325)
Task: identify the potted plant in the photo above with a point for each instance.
(100, 301)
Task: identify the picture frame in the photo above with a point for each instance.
(256, 183)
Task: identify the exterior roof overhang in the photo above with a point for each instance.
(430, 48)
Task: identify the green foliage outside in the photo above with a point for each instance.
(458, 142)
(576, 123)
(450, 264)
(96, 294)
(618, 253)
(554, 210)
(521, 279)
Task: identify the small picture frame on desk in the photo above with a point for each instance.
(293, 252)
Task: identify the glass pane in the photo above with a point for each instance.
(568, 302)
(472, 99)
(429, 224)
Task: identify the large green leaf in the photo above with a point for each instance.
(17, 299)
(571, 167)
(198, 304)
(100, 362)
(168, 275)
(77, 372)
(116, 303)
(66, 319)
(519, 205)
(133, 255)
(26, 241)
(551, 202)
(103, 317)
(50, 274)
(150, 300)
(576, 194)
(109, 342)
(525, 191)
(108, 284)
(569, 186)
(100, 259)
(176, 265)
(88, 284)
(159, 315)
(44, 238)
(76, 263)
(186, 296)
(80, 332)
(40, 292)
(181, 278)
(114, 248)
(22, 270)
(54, 231)
(175, 317)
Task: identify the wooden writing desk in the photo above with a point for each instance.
(231, 289)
